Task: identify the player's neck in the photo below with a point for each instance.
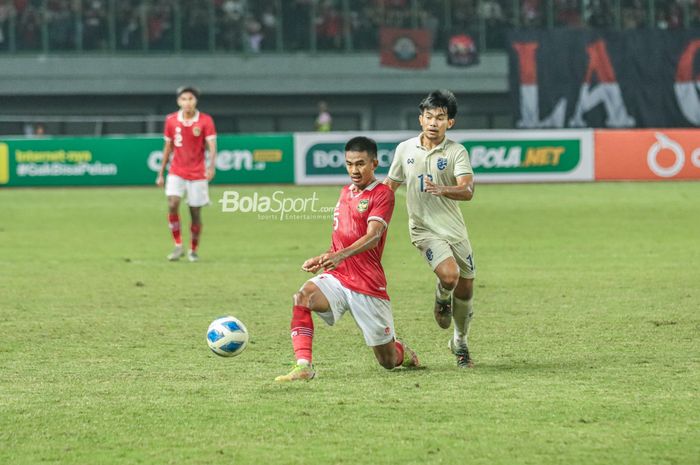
(429, 144)
(188, 114)
(364, 186)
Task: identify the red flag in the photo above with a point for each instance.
(405, 48)
(462, 51)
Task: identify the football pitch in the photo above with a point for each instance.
(586, 334)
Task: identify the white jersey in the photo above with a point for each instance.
(431, 216)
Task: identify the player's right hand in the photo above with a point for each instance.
(159, 180)
(312, 265)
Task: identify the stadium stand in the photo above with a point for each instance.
(276, 58)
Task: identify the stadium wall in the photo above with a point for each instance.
(223, 74)
(318, 158)
(97, 94)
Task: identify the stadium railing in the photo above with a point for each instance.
(95, 125)
(283, 26)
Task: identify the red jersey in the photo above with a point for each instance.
(362, 273)
(188, 139)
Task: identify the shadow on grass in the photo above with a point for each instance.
(514, 366)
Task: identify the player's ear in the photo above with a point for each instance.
(375, 163)
(450, 123)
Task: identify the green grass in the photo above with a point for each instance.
(586, 335)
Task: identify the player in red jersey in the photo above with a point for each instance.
(353, 278)
(186, 134)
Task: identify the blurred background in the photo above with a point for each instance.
(100, 67)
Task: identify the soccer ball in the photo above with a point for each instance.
(227, 336)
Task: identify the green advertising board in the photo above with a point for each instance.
(496, 156)
(523, 156)
(329, 158)
(320, 157)
(113, 161)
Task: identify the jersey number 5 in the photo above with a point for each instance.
(336, 215)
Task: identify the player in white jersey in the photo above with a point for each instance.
(438, 175)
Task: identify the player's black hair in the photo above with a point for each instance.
(442, 98)
(362, 144)
(191, 89)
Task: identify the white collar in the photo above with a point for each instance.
(190, 122)
(440, 146)
(354, 190)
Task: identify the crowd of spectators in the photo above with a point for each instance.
(257, 26)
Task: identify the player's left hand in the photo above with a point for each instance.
(330, 261)
(434, 188)
(312, 265)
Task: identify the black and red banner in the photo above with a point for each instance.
(405, 48)
(462, 51)
(614, 79)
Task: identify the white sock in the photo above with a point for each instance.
(462, 313)
(441, 293)
(303, 361)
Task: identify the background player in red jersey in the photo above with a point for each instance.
(353, 278)
(186, 134)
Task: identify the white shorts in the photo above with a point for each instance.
(197, 191)
(372, 315)
(435, 251)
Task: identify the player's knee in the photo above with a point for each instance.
(301, 297)
(449, 280)
(387, 362)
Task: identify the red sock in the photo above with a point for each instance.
(399, 352)
(302, 332)
(196, 230)
(174, 224)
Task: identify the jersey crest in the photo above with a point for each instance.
(442, 163)
(196, 131)
(362, 205)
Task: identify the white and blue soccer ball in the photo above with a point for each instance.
(227, 336)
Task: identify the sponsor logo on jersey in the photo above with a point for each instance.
(442, 163)
(196, 131)
(362, 205)
(387, 330)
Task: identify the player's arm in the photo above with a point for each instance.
(464, 190)
(167, 150)
(211, 147)
(375, 229)
(395, 177)
(393, 185)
